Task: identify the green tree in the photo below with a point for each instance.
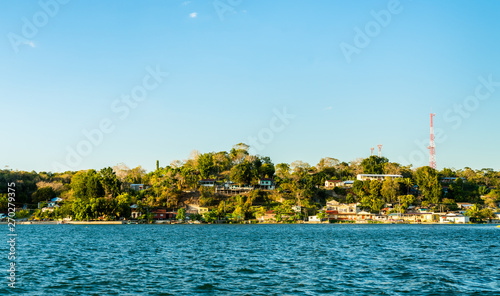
(322, 215)
(43, 194)
(110, 182)
(374, 164)
(181, 214)
(210, 216)
(242, 173)
(427, 181)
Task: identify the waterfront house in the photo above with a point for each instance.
(363, 215)
(268, 216)
(332, 183)
(496, 218)
(342, 211)
(162, 214)
(453, 218)
(314, 219)
(134, 212)
(379, 177)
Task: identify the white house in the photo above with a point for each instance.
(379, 177)
(332, 183)
(453, 218)
(314, 219)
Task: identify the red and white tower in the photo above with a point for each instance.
(379, 150)
(372, 150)
(432, 146)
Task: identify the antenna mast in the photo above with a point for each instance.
(432, 146)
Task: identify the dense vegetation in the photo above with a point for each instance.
(106, 194)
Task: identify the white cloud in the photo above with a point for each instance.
(185, 3)
(193, 14)
(328, 108)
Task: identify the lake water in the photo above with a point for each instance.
(328, 259)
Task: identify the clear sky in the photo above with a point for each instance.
(305, 79)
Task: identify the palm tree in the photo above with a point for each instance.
(408, 183)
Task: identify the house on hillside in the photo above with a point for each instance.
(207, 182)
(464, 205)
(379, 177)
(267, 184)
(332, 183)
(138, 187)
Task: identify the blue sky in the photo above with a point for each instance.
(232, 66)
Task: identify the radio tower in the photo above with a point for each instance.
(432, 146)
(379, 150)
(372, 150)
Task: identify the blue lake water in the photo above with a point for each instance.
(254, 260)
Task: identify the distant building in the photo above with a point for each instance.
(379, 177)
(267, 184)
(137, 187)
(342, 211)
(333, 183)
(314, 219)
(451, 179)
(453, 218)
(464, 205)
(207, 182)
(348, 183)
(268, 216)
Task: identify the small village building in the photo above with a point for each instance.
(50, 208)
(333, 183)
(202, 210)
(267, 184)
(451, 179)
(207, 182)
(348, 183)
(162, 214)
(363, 215)
(137, 187)
(314, 219)
(464, 205)
(453, 218)
(341, 211)
(268, 216)
(379, 177)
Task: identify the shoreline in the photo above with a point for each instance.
(313, 223)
